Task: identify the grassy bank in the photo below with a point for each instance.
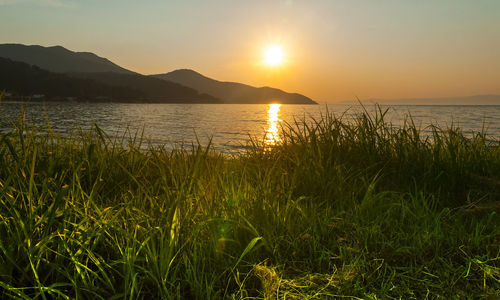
(357, 209)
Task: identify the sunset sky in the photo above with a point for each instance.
(332, 49)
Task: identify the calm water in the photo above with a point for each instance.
(229, 126)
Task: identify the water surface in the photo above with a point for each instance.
(229, 126)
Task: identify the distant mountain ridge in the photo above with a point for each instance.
(233, 92)
(462, 100)
(59, 59)
(23, 81)
(90, 66)
(153, 89)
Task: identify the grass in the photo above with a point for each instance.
(347, 209)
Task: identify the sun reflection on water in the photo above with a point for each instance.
(273, 123)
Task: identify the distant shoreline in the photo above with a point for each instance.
(400, 104)
(473, 100)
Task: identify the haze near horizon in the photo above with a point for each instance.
(327, 50)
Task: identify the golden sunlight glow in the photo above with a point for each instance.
(272, 132)
(274, 55)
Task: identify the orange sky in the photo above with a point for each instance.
(334, 49)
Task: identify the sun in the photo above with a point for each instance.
(274, 55)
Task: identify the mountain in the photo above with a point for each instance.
(153, 89)
(21, 81)
(462, 100)
(181, 86)
(233, 92)
(90, 67)
(59, 59)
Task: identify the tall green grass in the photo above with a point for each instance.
(341, 208)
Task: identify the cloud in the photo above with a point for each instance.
(49, 3)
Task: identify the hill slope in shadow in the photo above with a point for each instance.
(86, 67)
(22, 81)
(153, 89)
(59, 59)
(233, 92)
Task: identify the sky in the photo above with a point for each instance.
(333, 49)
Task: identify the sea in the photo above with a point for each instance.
(230, 127)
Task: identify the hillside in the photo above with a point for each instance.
(182, 86)
(59, 59)
(22, 81)
(233, 92)
(152, 88)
